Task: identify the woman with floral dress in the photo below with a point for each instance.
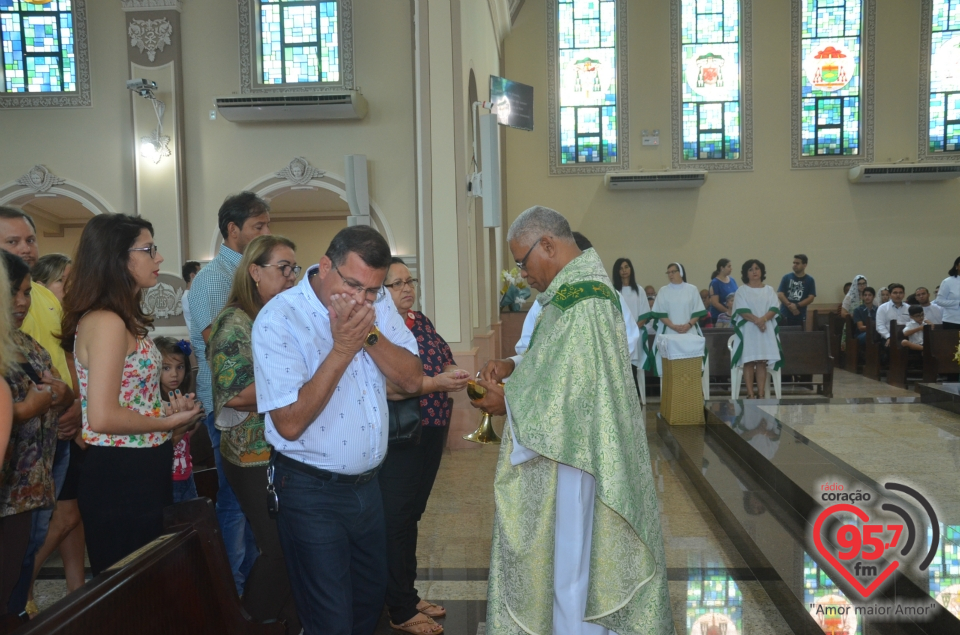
(130, 432)
(26, 477)
(408, 472)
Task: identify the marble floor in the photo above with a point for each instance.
(704, 566)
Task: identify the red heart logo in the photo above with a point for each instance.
(867, 591)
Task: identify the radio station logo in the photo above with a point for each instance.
(866, 546)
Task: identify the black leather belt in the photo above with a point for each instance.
(325, 475)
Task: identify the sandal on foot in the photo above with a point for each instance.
(419, 624)
(31, 609)
(430, 609)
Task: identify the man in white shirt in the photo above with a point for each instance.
(189, 271)
(931, 312)
(893, 309)
(323, 351)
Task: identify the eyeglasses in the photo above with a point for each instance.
(152, 250)
(285, 270)
(522, 263)
(400, 284)
(669, 271)
(376, 293)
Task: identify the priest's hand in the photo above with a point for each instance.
(496, 370)
(493, 402)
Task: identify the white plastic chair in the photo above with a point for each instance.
(736, 377)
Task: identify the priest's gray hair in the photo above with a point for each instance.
(539, 221)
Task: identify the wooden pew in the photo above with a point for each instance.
(939, 348)
(179, 583)
(808, 353)
(852, 351)
(871, 356)
(899, 356)
(830, 321)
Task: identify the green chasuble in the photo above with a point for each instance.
(572, 400)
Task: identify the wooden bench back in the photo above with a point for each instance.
(939, 349)
(180, 583)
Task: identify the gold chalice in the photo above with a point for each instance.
(484, 432)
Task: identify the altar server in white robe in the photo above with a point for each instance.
(757, 343)
(676, 311)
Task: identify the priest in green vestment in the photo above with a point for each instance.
(577, 544)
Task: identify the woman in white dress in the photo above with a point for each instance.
(757, 343)
(677, 310)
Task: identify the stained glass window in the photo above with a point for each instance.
(38, 47)
(710, 61)
(944, 130)
(820, 594)
(587, 81)
(299, 41)
(714, 602)
(945, 568)
(832, 78)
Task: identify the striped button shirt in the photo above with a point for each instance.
(208, 296)
(291, 338)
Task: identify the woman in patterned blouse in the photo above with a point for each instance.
(269, 266)
(407, 474)
(130, 432)
(26, 479)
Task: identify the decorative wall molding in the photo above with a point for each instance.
(150, 5)
(16, 193)
(40, 179)
(745, 162)
(553, 107)
(250, 47)
(150, 35)
(502, 19)
(868, 37)
(300, 172)
(926, 52)
(162, 301)
(76, 99)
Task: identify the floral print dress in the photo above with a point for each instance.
(436, 355)
(26, 479)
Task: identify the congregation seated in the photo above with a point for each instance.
(865, 314)
(913, 331)
(895, 309)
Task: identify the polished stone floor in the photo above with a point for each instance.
(878, 430)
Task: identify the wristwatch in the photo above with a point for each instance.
(373, 337)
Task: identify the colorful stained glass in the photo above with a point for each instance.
(38, 47)
(299, 41)
(945, 77)
(710, 59)
(830, 90)
(945, 569)
(714, 602)
(587, 69)
(819, 589)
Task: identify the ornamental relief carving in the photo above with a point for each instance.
(40, 179)
(300, 172)
(150, 35)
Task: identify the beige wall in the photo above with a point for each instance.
(66, 244)
(891, 232)
(312, 237)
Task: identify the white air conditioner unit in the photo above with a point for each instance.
(348, 104)
(655, 180)
(904, 172)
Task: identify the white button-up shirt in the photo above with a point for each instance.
(933, 314)
(291, 338)
(889, 311)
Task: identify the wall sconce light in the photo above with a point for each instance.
(154, 146)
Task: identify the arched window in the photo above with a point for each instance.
(45, 60)
(586, 59)
(712, 100)
(296, 45)
(833, 82)
(940, 80)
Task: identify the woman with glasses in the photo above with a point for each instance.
(408, 472)
(269, 267)
(129, 430)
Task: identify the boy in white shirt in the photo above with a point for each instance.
(913, 330)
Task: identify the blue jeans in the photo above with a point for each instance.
(184, 490)
(237, 535)
(334, 544)
(39, 525)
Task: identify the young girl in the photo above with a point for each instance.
(176, 374)
(723, 319)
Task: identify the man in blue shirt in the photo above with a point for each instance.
(797, 291)
(241, 218)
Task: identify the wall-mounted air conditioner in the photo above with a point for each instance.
(655, 180)
(904, 172)
(348, 104)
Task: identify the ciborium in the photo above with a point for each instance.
(484, 432)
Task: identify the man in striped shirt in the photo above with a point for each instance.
(323, 352)
(241, 218)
